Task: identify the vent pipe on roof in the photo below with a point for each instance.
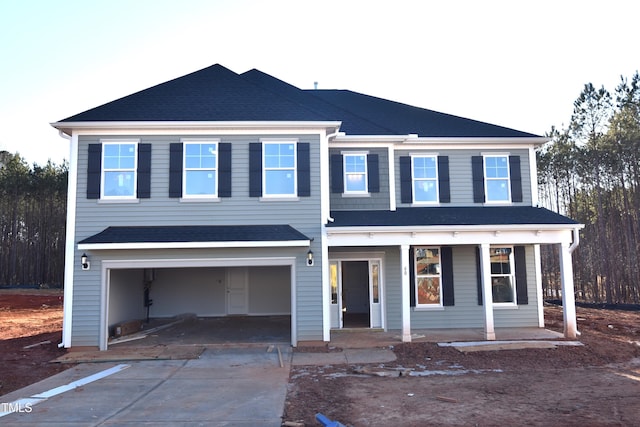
(315, 85)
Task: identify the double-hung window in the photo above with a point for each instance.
(428, 277)
(279, 169)
(424, 172)
(119, 163)
(355, 173)
(496, 179)
(200, 169)
(502, 275)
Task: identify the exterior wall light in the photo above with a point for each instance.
(84, 261)
(310, 258)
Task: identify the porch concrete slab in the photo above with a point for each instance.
(347, 356)
(240, 389)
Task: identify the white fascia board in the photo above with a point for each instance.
(195, 126)
(445, 141)
(469, 235)
(452, 228)
(195, 245)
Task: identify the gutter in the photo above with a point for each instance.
(576, 240)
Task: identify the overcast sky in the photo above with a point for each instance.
(519, 64)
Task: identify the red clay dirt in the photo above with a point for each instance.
(593, 385)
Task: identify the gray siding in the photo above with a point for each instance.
(460, 175)
(92, 216)
(372, 201)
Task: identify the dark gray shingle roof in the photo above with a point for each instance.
(196, 233)
(216, 93)
(450, 216)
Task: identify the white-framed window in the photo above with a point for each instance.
(355, 173)
(200, 172)
(428, 277)
(424, 175)
(496, 179)
(279, 160)
(119, 164)
(502, 275)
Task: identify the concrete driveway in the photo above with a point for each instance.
(224, 387)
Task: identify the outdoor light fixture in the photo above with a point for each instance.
(310, 258)
(84, 261)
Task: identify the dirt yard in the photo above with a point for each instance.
(595, 384)
(29, 318)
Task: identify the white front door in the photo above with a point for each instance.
(237, 290)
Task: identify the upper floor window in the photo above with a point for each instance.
(279, 168)
(502, 275)
(355, 173)
(428, 276)
(119, 163)
(424, 172)
(200, 169)
(496, 178)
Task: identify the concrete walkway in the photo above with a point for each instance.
(224, 387)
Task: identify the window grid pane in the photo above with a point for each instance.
(355, 173)
(496, 171)
(502, 280)
(200, 169)
(280, 169)
(428, 276)
(118, 167)
(425, 179)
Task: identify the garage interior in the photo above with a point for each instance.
(199, 305)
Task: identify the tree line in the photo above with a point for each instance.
(33, 203)
(590, 171)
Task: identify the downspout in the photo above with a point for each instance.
(576, 240)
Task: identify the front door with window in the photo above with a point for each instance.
(355, 294)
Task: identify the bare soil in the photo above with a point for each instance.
(592, 385)
(29, 317)
(596, 384)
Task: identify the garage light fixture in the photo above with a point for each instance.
(84, 261)
(310, 258)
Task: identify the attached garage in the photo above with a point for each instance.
(209, 278)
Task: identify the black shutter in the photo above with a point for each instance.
(412, 277)
(477, 171)
(94, 171)
(304, 169)
(144, 171)
(520, 258)
(175, 169)
(516, 178)
(446, 263)
(255, 169)
(443, 179)
(373, 173)
(337, 177)
(224, 169)
(406, 188)
(479, 275)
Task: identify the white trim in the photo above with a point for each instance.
(69, 256)
(107, 265)
(415, 202)
(193, 127)
(392, 177)
(405, 300)
(538, 268)
(533, 176)
(486, 179)
(194, 245)
(487, 299)
(414, 285)
(279, 141)
(346, 191)
(413, 139)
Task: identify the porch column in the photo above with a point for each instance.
(568, 295)
(487, 292)
(405, 287)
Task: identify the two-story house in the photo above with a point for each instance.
(224, 194)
